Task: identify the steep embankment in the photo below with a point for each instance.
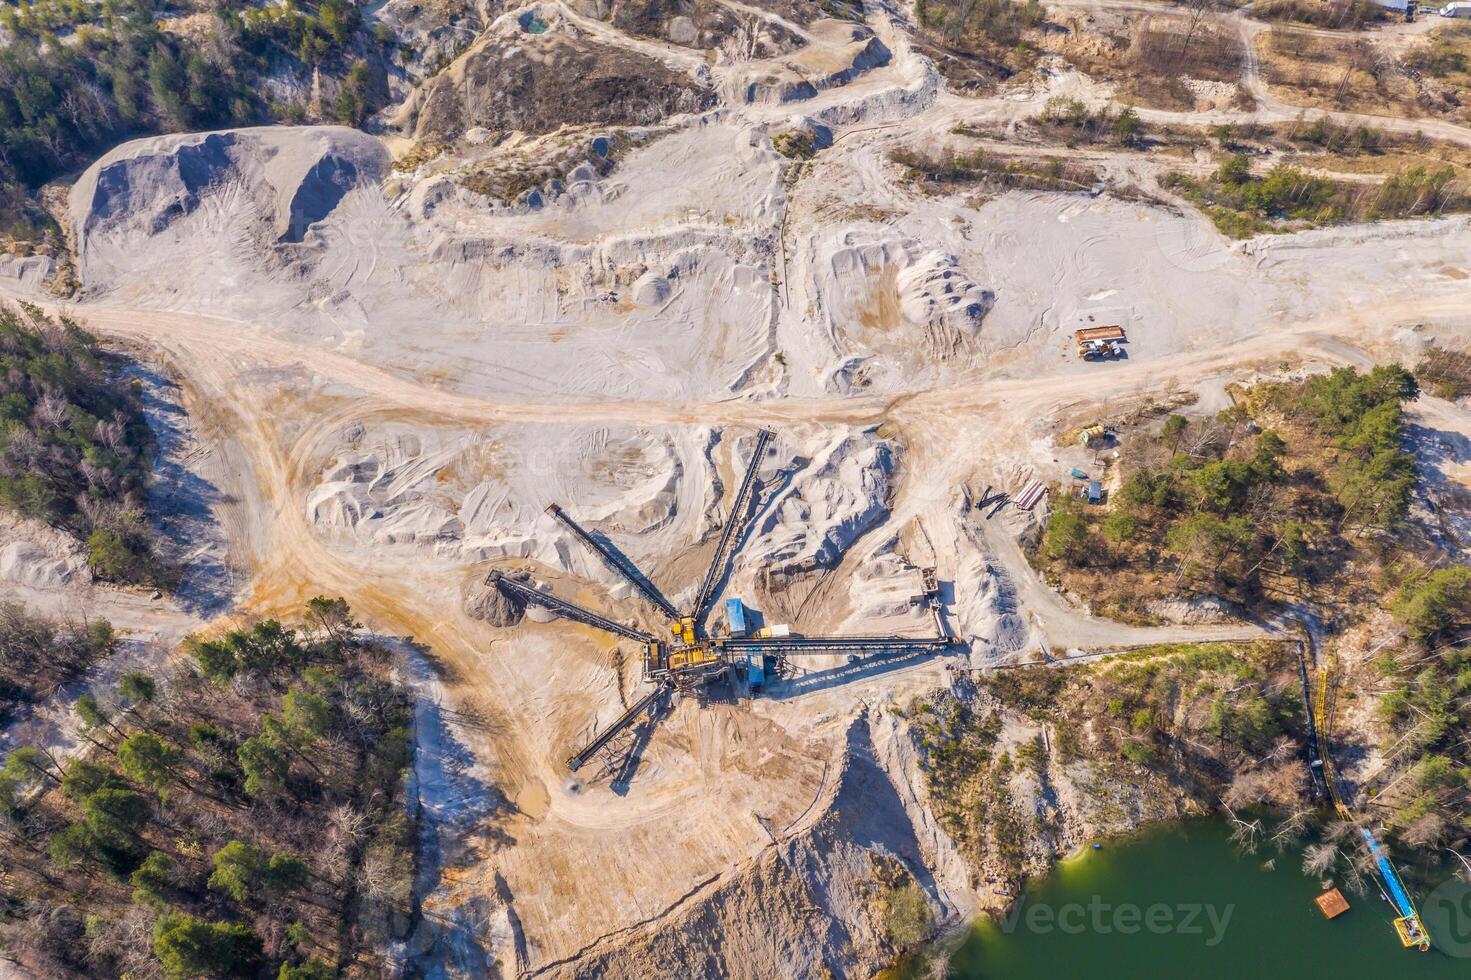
(819, 899)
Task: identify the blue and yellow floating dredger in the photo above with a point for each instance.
(1411, 930)
(691, 658)
(1407, 923)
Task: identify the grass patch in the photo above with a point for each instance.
(1325, 145)
(1070, 121)
(1445, 373)
(953, 169)
(1444, 53)
(1351, 15)
(1428, 78)
(1206, 52)
(975, 43)
(1001, 23)
(1243, 204)
(1148, 62)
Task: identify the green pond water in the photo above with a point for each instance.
(1126, 911)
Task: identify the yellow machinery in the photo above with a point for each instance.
(699, 655)
(691, 657)
(1412, 932)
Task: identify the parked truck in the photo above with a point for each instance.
(1100, 343)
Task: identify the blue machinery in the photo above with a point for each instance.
(1411, 930)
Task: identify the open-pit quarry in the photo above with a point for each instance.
(384, 373)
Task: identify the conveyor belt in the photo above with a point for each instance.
(734, 521)
(799, 645)
(619, 563)
(647, 703)
(1319, 781)
(564, 608)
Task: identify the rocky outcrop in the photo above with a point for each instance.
(707, 23)
(536, 81)
(432, 32)
(26, 274)
(843, 51)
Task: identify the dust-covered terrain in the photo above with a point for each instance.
(585, 253)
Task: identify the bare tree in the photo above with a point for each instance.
(1198, 9)
(1245, 834)
(1318, 859)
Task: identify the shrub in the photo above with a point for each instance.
(1139, 753)
(1242, 204)
(110, 558)
(284, 873)
(153, 880)
(237, 872)
(907, 916)
(1001, 22)
(1447, 374)
(189, 947)
(1437, 606)
(1072, 118)
(1067, 536)
(146, 758)
(796, 144)
(979, 167)
(309, 970)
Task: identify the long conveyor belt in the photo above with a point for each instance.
(735, 520)
(615, 561)
(646, 703)
(1319, 781)
(564, 608)
(798, 645)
